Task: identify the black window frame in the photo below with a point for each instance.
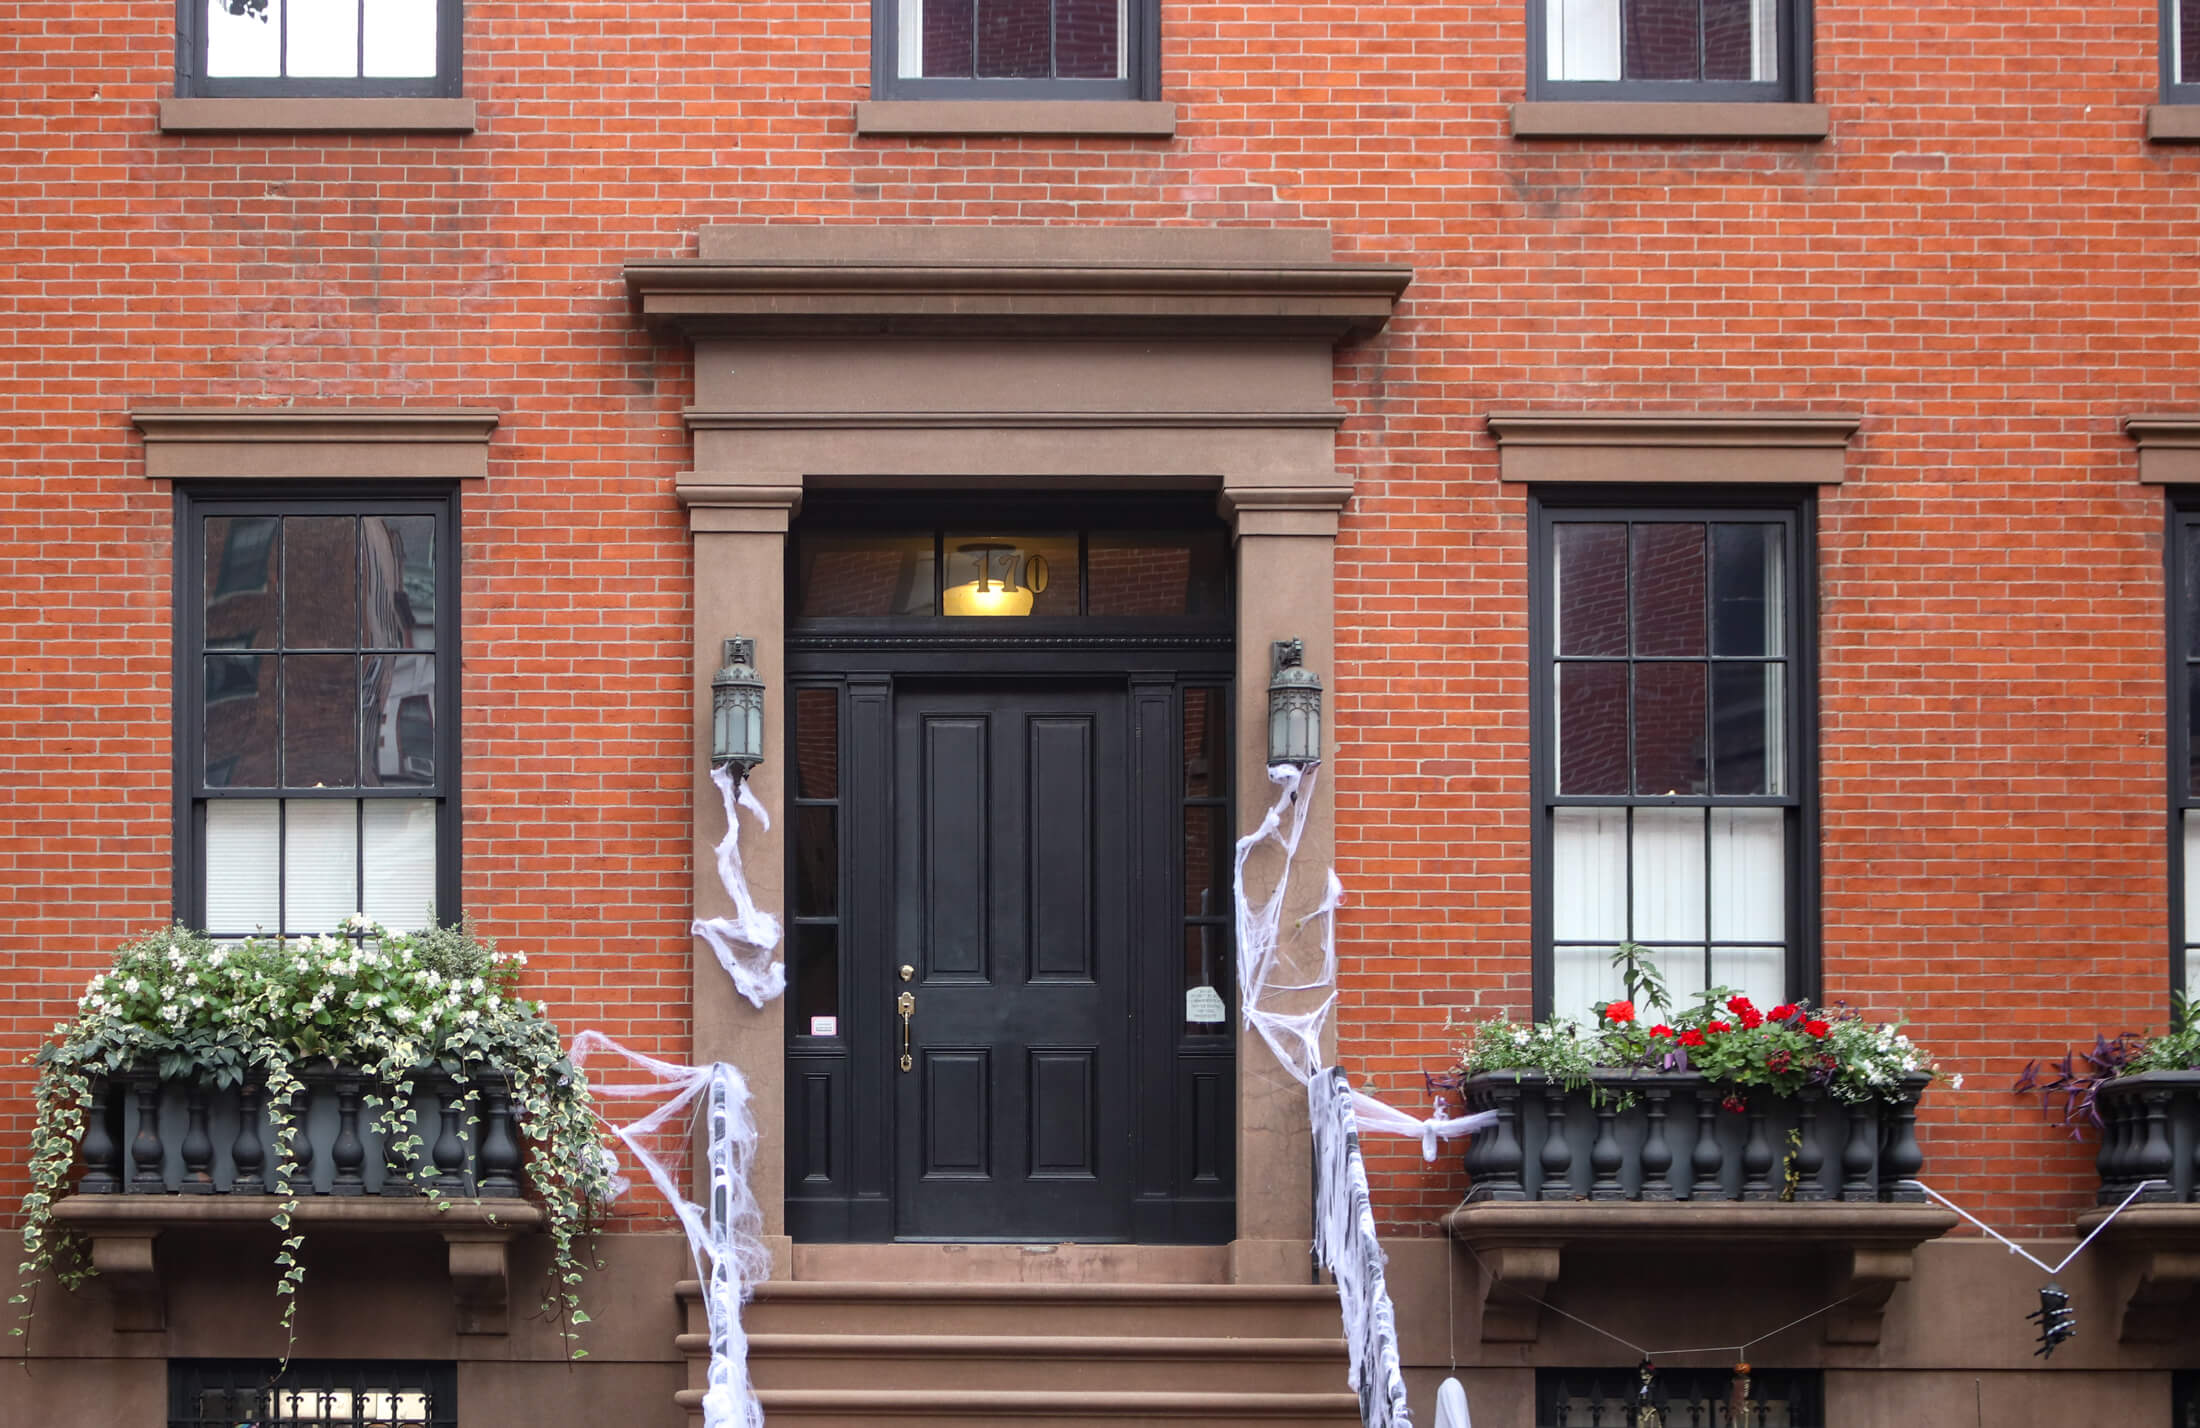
(2180, 632)
(1795, 85)
(192, 80)
(194, 503)
(1797, 509)
(2172, 91)
(1803, 1391)
(190, 1379)
(1141, 41)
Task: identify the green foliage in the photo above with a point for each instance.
(1722, 1036)
(391, 1005)
(1645, 984)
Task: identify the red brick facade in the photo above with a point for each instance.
(1985, 259)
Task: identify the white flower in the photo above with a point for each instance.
(401, 1015)
(469, 1016)
(1956, 1080)
(475, 985)
(197, 1001)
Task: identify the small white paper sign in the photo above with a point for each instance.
(824, 1026)
(1204, 1004)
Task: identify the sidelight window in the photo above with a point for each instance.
(1015, 49)
(2184, 742)
(316, 730)
(332, 48)
(1673, 687)
(1669, 49)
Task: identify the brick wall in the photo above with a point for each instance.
(1985, 258)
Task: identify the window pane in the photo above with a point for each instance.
(1729, 39)
(816, 973)
(1589, 874)
(242, 855)
(1748, 875)
(1747, 722)
(397, 708)
(1206, 880)
(1206, 970)
(399, 557)
(1661, 39)
(1205, 752)
(1669, 729)
(816, 743)
(1668, 589)
(1668, 874)
(242, 44)
(945, 28)
(1001, 573)
(1582, 979)
(1747, 591)
(320, 557)
(240, 721)
(1592, 728)
(400, 38)
(2192, 724)
(1591, 576)
(1015, 39)
(816, 861)
(854, 575)
(1157, 572)
(2189, 596)
(242, 585)
(1759, 973)
(397, 838)
(2186, 50)
(1581, 38)
(2192, 892)
(320, 863)
(323, 37)
(320, 732)
(1088, 38)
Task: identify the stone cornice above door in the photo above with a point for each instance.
(989, 282)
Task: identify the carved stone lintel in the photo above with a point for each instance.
(1513, 1278)
(480, 1278)
(125, 1265)
(1869, 1275)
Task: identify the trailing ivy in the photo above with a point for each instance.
(391, 1005)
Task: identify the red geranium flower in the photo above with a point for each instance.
(1735, 1104)
(1619, 1013)
(1719, 1026)
(1740, 1005)
(1691, 1037)
(1784, 1010)
(1661, 1029)
(1816, 1027)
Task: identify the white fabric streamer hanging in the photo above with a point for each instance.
(743, 942)
(723, 1236)
(1345, 1242)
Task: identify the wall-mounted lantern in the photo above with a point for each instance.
(1294, 707)
(737, 710)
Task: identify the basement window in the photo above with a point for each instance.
(1770, 1398)
(326, 1393)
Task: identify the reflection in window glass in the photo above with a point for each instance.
(1011, 39)
(1684, 40)
(2185, 42)
(1136, 573)
(846, 575)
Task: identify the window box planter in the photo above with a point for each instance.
(2150, 1130)
(1640, 1160)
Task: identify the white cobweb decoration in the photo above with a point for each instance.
(744, 941)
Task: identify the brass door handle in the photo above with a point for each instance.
(906, 1004)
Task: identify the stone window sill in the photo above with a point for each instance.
(232, 116)
(1625, 119)
(2173, 123)
(1004, 118)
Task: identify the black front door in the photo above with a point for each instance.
(1010, 963)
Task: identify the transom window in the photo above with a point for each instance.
(337, 48)
(1671, 763)
(1669, 49)
(2181, 51)
(1015, 49)
(1012, 570)
(316, 735)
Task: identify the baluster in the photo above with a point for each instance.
(2190, 1168)
(198, 1146)
(1757, 1157)
(450, 1144)
(1901, 1160)
(1810, 1156)
(1604, 1156)
(102, 1152)
(1706, 1159)
(349, 1154)
(1657, 1156)
(2114, 1158)
(499, 1155)
(248, 1153)
(1557, 1153)
(2153, 1160)
(1859, 1158)
(1505, 1159)
(301, 1141)
(146, 1150)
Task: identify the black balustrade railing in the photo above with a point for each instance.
(147, 1136)
(1681, 1136)
(2150, 1130)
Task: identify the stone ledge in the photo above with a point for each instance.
(122, 1228)
(1866, 1250)
(2173, 123)
(2163, 1242)
(1632, 119)
(1008, 118)
(239, 116)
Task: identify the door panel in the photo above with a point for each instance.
(1011, 890)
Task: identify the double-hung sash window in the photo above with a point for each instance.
(1016, 49)
(316, 719)
(2184, 744)
(1672, 695)
(2181, 51)
(323, 48)
(1669, 49)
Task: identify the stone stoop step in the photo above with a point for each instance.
(926, 1355)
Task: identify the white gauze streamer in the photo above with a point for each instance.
(723, 1235)
(744, 941)
(1345, 1242)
